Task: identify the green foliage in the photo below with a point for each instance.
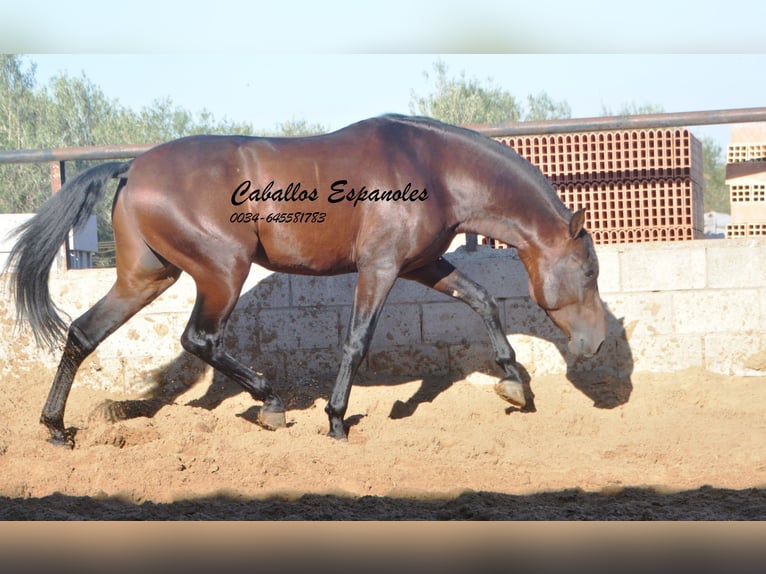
(295, 128)
(632, 109)
(715, 190)
(542, 107)
(20, 115)
(165, 121)
(464, 101)
(17, 101)
(73, 111)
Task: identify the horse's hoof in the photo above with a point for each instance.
(338, 430)
(272, 420)
(340, 437)
(65, 439)
(511, 391)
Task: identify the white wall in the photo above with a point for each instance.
(685, 304)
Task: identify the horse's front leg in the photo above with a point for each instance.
(445, 278)
(372, 288)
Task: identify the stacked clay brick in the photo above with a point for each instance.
(746, 178)
(636, 185)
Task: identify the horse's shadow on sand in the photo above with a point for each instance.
(605, 379)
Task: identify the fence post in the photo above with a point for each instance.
(58, 177)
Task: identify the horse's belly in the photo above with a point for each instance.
(307, 256)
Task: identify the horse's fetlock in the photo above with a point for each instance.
(273, 403)
(202, 347)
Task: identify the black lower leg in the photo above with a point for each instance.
(338, 403)
(372, 288)
(444, 277)
(208, 348)
(337, 426)
(485, 305)
(505, 356)
(76, 349)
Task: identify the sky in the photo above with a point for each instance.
(337, 89)
(334, 63)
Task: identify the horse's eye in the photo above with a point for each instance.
(590, 273)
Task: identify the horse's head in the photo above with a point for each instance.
(563, 281)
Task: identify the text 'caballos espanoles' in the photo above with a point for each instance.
(339, 191)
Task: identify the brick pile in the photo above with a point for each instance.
(636, 185)
(746, 178)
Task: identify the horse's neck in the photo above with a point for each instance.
(519, 214)
(505, 198)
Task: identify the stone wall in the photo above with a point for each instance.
(673, 305)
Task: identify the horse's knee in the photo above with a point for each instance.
(354, 348)
(484, 303)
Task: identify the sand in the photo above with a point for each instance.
(689, 445)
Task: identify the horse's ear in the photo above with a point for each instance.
(576, 223)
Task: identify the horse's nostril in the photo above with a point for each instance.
(582, 347)
(601, 344)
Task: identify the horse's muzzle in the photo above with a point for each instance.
(583, 348)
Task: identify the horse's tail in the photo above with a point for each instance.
(39, 240)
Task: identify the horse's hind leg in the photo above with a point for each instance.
(444, 277)
(217, 293)
(134, 289)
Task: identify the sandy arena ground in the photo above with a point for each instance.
(688, 445)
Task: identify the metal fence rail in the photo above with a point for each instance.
(57, 157)
(643, 121)
(60, 154)
(664, 120)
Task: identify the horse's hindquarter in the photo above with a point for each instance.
(176, 196)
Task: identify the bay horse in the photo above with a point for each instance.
(383, 197)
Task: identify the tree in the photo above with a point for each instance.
(20, 117)
(17, 102)
(715, 190)
(542, 107)
(464, 101)
(77, 113)
(299, 127)
(632, 109)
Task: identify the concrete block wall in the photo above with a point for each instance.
(672, 306)
(8, 223)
